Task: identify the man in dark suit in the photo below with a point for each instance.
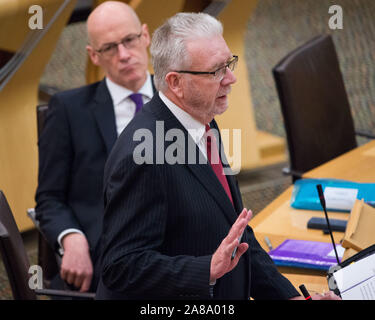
(81, 128)
(172, 221)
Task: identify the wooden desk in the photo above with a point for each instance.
(279, 221)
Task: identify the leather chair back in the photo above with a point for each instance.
(314, 104)
(47, 258)
(14, 254)
(41, 115)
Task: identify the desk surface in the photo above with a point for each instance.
(279, 221)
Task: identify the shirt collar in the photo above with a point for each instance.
(193, 126)
(119, 93)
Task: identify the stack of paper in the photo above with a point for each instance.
(357, 280)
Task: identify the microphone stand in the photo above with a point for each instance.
(323, 203)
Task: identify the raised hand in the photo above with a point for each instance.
(221, 261)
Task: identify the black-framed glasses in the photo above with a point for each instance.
(218, 74)
(129, 42)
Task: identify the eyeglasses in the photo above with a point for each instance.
(219, 73)
(129, 42)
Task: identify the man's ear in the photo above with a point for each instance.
(175, 83)
(94, 56)
(146, 34)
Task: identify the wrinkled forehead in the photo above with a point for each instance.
(112, 28)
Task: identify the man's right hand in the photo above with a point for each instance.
(76, 265)
(221, 262)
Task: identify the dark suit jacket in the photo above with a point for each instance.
(163, 222)
(80, 131)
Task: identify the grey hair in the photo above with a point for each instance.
(168, 45)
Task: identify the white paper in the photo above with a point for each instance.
(357, 280)
(340, 252)
(340, 198)
(365, 291)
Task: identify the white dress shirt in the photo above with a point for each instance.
(195, 128)
(124, 107)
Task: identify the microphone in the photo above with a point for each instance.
(323, 203)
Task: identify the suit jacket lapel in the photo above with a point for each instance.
(104, 115)
(203, 172)
(207, 177)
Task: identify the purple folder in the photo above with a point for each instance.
(304, 254)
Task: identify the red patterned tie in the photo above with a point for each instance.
(217, 166)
